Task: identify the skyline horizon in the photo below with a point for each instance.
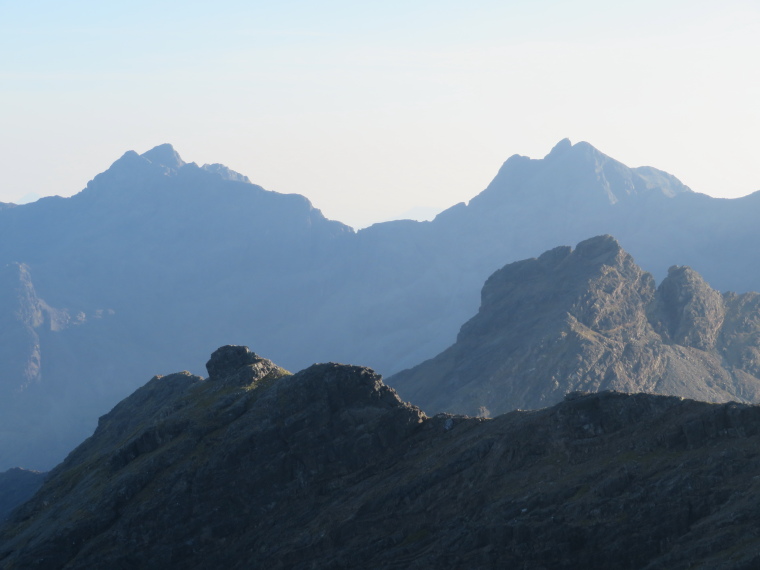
(371, 110)
(417, 212)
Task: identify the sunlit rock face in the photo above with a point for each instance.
(590, 319)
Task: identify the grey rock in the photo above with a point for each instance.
(590, 319)
(164, 155)
(227, 360)
(688, 311)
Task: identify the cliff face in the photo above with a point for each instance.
(37, 413)
(591, 319)
(327, 468)
(22, 313)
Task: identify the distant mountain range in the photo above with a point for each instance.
(158, 261)
(327, 468)
(590, 319)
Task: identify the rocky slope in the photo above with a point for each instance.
(168, 260)
(327, 468)
(591, 319)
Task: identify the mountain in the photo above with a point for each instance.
(154, 253)
(327, 468)
(16, 487)
(167, 260)
(590, 319)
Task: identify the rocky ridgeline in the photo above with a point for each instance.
(591, 319)
(327, 468)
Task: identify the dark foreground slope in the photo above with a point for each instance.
(328, 469)
(591, 319)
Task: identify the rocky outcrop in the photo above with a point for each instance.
(687, 311)
(590, 319)
(327, 468)
(164, 155)
(227, 360)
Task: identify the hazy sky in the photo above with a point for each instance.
(370, 109)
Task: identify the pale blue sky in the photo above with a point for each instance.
(372, 109)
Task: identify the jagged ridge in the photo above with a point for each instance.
(591, 319)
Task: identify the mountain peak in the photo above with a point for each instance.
(238, 365)
(572, 177)
(689, 311)
(590, 319)
(229, 359)
(165, 155)
(560, 148)
(578, 150)
(599, 247)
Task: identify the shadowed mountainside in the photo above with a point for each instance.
(591, 319)
(327, 468)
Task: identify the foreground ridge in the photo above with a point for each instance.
(255, 467)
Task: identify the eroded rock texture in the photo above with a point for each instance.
(591, 319)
